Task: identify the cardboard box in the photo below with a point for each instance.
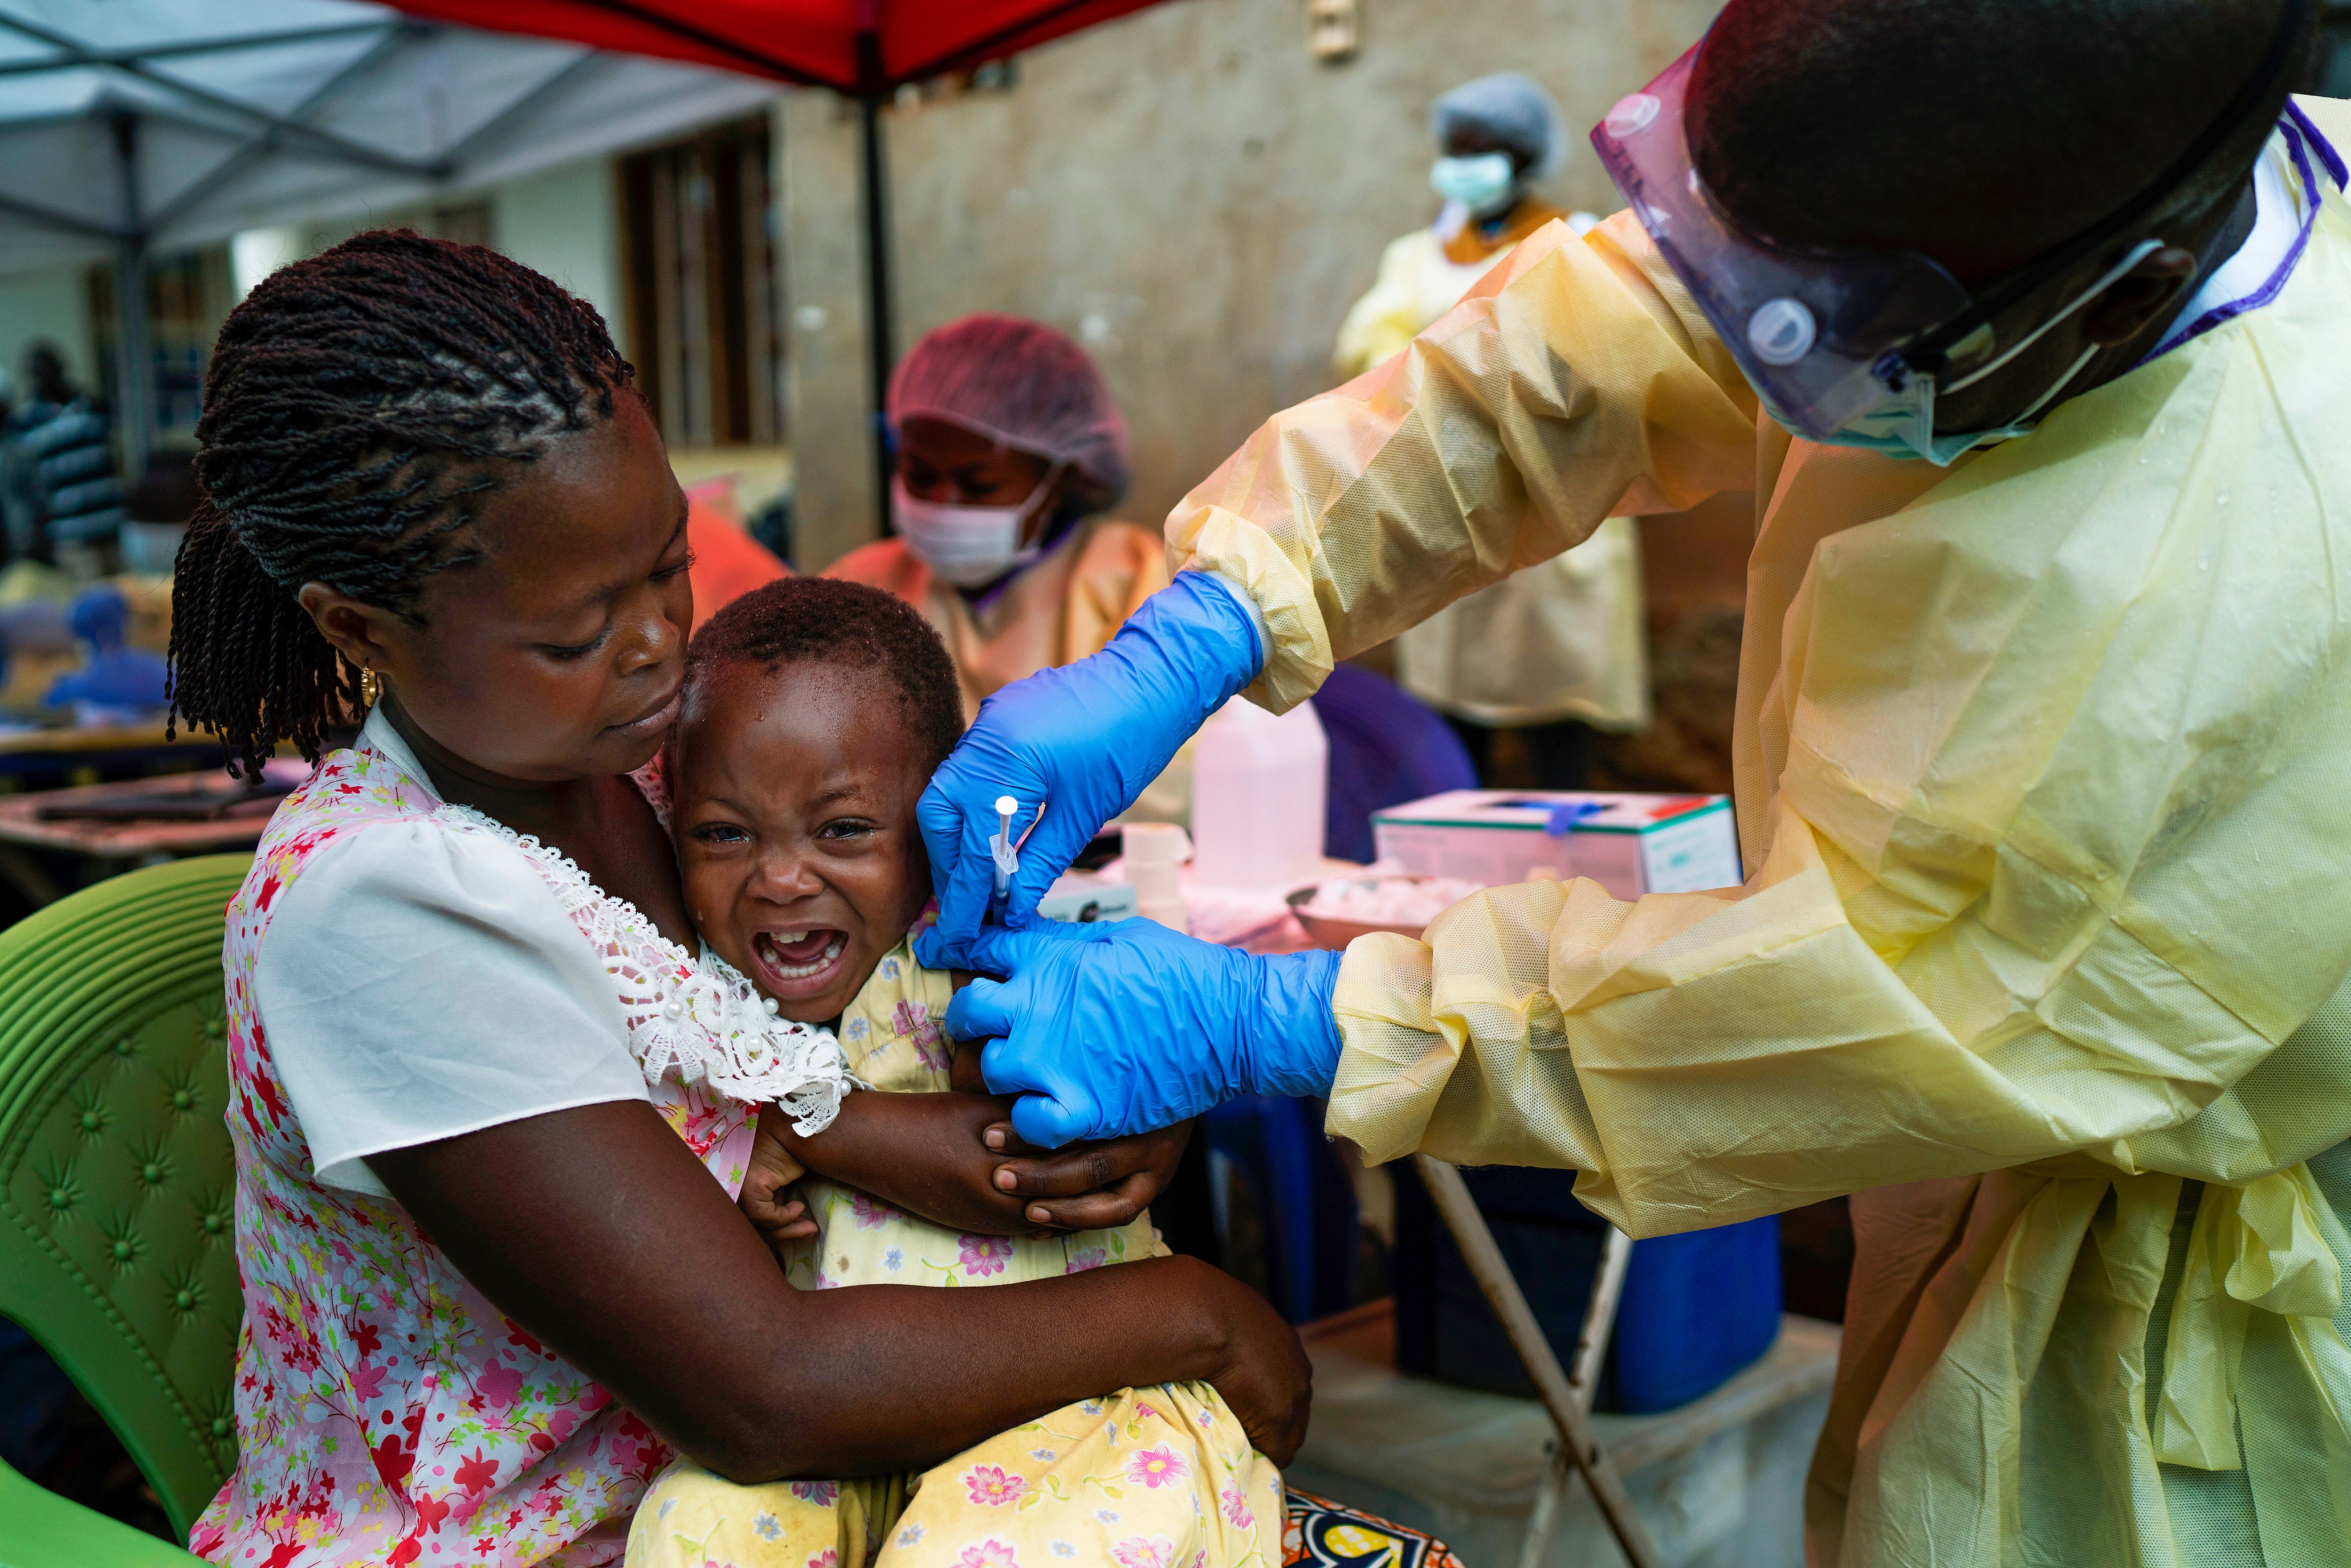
(1629, 844)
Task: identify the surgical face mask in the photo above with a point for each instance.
(969, 546)
(1479, 183)
(1903, 424)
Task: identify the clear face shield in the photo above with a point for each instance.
(1851, 347)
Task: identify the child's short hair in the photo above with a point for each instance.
(823, 620)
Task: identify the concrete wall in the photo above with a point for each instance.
(1186, 191)
(52, 302)
(564, 222)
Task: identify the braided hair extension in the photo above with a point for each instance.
(360, 406)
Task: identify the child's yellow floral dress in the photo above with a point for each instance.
(1148, 1478)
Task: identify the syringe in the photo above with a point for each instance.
(1006, 853)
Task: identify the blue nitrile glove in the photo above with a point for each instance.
(1118, 1028)
(1085, 739)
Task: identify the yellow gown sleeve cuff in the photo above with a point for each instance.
(1395, 1059)
(1298, 645)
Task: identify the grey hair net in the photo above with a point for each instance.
(1511, 107)
(1022, 385)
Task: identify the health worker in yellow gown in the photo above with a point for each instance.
(1555, 649)
(2030, 326)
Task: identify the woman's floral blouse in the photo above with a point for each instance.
(386, 1411)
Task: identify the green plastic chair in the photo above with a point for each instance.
(117, 1251)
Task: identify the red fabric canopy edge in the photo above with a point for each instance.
(813, 42)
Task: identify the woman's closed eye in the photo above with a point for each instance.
(563, 652)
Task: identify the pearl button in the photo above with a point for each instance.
(673, 1010)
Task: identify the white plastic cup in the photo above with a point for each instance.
(1155, 853)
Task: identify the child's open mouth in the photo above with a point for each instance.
(798, 963)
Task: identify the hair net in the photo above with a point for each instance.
(1024, 385)
(1511, 107)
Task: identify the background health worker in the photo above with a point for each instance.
(1554, 650)
(2041, 742)
(1011, 452)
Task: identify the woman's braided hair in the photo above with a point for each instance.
(358, 408)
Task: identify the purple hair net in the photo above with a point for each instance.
(1025, 386)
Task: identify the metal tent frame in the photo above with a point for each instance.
(300, 108)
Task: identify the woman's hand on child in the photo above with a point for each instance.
(766, 1174)
(1087, 1187)
(1264, 1373)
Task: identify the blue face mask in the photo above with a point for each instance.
(1903, 424)
(1480, 183)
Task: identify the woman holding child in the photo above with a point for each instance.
(493, 1101)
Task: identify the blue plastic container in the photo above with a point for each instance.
(1696, 1309)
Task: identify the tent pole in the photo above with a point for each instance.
(872, 89)
(879, 323)
(134, 379)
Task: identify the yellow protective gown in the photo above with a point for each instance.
(2040, 768)
(1560, 640)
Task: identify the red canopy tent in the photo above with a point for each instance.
(866, 49)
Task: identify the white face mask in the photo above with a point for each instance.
(969, 546)
(1480, 183)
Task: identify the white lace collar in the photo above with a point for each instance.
(693, 1013)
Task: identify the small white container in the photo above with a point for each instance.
(1259, 784)
(1154, 853)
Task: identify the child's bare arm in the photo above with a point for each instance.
(922, 1152)
(943, 1157)
(962, 1070)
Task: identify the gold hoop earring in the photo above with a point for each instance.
(371, 688)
